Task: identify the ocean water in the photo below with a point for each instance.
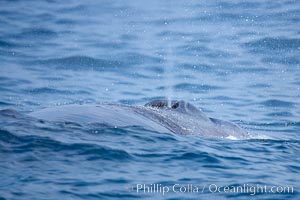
(236, 60)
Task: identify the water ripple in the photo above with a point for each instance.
(277, 103)
(81, 63)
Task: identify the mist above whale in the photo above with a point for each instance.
(179, 117)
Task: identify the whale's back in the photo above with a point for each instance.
(181, 118)
(107, 114)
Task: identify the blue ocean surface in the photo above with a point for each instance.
(236, 60)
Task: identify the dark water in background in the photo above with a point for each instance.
(238, 60)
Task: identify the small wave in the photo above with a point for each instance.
(193, 49)
(202, 157)
(7, 137)
(81, 63)
(260, 85)
(277, 103)
(7, 44)
(47, 90)
(138, 58)
(203, 68)
(283, 114)
(36, 33)
(288, 60)
(195, 88)
(276, 124)
(94, 152)
(28, 143)
(240, 5)
(66, 21)
(74, 8)
(275, 44)
(4, 103)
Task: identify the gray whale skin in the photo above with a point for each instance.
(180, 118)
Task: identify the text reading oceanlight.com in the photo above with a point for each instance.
(251, 189)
